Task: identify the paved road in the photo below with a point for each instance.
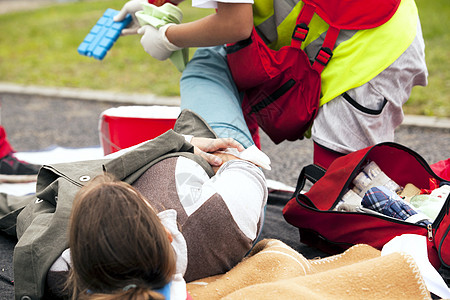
(37, 122)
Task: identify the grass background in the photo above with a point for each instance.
(39, 47)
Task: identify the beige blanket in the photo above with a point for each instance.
(273, 270)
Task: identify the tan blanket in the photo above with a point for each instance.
(273, 270)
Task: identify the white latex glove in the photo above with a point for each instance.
(156, 43)
(131, 7)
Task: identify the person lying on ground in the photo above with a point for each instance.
(211, 224)
(213, 216)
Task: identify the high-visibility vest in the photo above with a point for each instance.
(359, 55)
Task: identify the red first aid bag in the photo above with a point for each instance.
(332, 231)
(282, 88)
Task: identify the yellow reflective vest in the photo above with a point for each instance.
(358, 57)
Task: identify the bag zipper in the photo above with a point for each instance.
(273, 97)
(430, 232)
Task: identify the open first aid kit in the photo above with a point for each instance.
(371, 196)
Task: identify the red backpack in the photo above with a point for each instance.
(282, 88)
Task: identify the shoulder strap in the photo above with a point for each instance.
(325, 52)
(301, 28)
(350, 15)
(300, 33)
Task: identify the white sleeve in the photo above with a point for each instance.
(241, 185)
(243, 188)
(213, 3)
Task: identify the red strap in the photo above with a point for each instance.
(301, 29)
(326, 52)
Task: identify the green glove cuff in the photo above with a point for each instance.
(158, 16)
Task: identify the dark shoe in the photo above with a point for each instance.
(15, 170)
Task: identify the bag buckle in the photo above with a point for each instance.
(300, 32)
(323, 56)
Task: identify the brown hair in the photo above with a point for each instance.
(117, 240)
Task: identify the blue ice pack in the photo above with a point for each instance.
(103, 35)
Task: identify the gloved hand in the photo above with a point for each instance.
(156, 43)
(131, 7)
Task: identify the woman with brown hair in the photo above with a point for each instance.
(127, 256)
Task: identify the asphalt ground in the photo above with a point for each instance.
(41, 119)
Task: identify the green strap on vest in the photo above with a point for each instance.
(158, 16)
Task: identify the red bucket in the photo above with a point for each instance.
(126, 126)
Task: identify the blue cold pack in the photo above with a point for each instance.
(103, 35)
